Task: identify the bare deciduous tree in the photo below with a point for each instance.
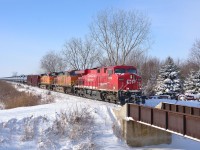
(186, 67)
(150, 69)
(80, 54)
(137, 59)
(119, 33)
(52, 62)
(14, 74)
(194, 56)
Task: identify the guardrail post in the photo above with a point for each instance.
(151, 116)
(177, 109)
(128, 110)
(184, 124)
(191, 111)
(166, 126)
(139, 109)
(164, 107)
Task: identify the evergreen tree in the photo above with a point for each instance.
(189, 85)
(168, 81)
(192, 84)
(197, 82)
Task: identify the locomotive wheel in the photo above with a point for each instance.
(103, 96)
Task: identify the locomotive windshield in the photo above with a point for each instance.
(131, 70)
(72, 73)
(121, 70)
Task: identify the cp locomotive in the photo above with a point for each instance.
(114, 83)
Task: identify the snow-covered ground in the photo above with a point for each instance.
(154, 102)
(43, 126)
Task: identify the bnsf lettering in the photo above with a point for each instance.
(130, 81)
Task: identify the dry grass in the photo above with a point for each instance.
(11, 98)
(47, 99)
(75, 123)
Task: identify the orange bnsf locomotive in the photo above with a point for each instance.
(113, 83)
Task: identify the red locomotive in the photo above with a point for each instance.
(108, 83)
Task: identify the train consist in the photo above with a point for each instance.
(114, 83)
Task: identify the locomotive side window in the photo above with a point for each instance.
(105, 69)
(110, 72)
(98, 70)
(131, 70)
(72, 73)
(121, 70)
(67, 73)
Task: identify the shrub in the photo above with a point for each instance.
(75, 123)
(47, 99)
(11, 98)
(23, 99)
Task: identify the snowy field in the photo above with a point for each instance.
(44, 126)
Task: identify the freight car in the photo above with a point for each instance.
(33, 80)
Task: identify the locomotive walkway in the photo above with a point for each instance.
(180, 119)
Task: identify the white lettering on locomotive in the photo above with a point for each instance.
(129, 81)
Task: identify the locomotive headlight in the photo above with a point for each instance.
(131, 76)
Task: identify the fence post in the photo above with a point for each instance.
(139, 109)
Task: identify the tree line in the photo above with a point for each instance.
(118, 37)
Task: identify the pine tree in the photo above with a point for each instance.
(168, 81)
(192, 84)
(189, 85)
(197, 82)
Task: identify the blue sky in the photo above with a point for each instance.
(30, 28)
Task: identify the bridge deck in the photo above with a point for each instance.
(186, 122)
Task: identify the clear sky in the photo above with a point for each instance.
(30, 28)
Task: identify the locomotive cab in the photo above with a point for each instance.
(124, 78)
(47, 80)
